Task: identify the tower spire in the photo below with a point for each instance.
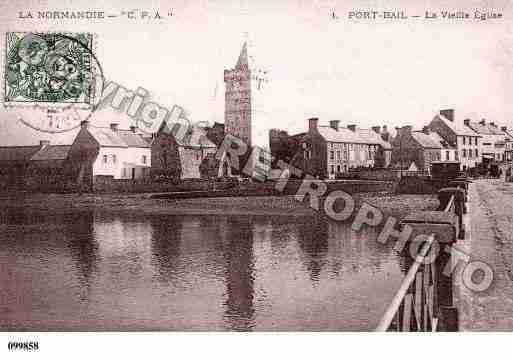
(242, 62)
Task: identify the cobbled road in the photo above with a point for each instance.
(491, 241)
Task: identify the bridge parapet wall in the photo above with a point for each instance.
(424, 302)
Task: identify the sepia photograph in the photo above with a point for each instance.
(294, 167)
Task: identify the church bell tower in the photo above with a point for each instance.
(243, 89)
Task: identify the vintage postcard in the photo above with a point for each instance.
(245, 166)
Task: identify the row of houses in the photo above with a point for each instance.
(107, 152)
(446, 138)
(327, 151)
(41, 162)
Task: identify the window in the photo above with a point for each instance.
(477, 153)
(464, 154)
(144, 159)
(105, 159)
(332, 155)
(332, 169)
(114, 159)
(447, 155)
(464, 139)
(124, 172)
(475, 141)
(263, 157)
(338, 168)
(338, 156)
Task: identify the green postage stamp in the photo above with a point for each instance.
(52, 81)
(48, 68)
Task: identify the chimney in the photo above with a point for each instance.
(466, 122)
(426, 130)
(44, 143)
(448, 114)
(352, 127)
(377, 129)
(133, 128)
(312, 124)
(504, 128)
(114, 127)
(84, 124)
(334, 124)
(493, 124)
(482, 122)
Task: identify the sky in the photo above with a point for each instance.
(368, 72)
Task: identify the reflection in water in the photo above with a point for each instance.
(97, 270)
(166, 246)
(239, 275)
(313, 241)
(83, 248)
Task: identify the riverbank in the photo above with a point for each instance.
(391, 204)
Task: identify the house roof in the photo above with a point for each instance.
(374, 138)
(343, 134)
(132, 139)
(299, 135)
(438, 139)
(106, 137)
(458, 128)
(17, 153)
(485, 129)
(51, 153)
(194, 136)
(425, 140)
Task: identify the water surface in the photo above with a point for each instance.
(103, 271)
